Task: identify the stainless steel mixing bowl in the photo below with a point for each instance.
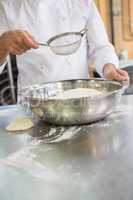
(75, 110)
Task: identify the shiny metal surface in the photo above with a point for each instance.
(77, 110)
(96, 163)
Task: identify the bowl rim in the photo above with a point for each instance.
(39, 86)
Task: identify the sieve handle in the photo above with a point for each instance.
(42, 44)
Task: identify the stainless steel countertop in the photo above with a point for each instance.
(96, 163)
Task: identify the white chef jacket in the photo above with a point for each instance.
(46, 18)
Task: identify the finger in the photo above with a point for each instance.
(17, 50)
(19, 41)
(118, 77)
(122, 72)
(22, 45)
(126, 82)
(28, 41)
(30, 36)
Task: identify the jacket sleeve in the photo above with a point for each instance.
(100, 50)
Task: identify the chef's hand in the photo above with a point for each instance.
(17, 42)
(111, 73)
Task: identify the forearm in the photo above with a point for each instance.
(3, 51)
(3, 55)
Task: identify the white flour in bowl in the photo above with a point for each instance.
(78, 93)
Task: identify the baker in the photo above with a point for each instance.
(25, 23)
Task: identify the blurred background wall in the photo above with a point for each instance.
(118, 19)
